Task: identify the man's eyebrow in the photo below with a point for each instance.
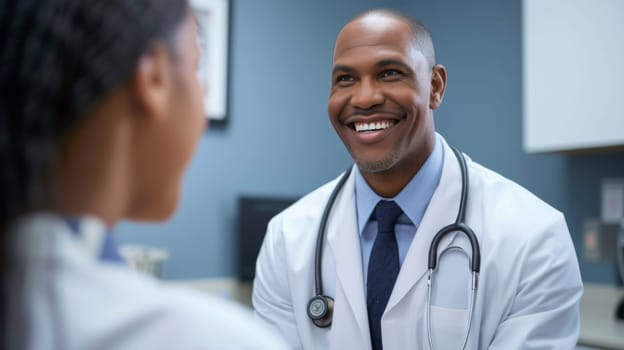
(391, 62)
(381, 64)
(342, 68)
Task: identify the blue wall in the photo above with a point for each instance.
(278, 140)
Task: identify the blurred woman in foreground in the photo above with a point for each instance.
(100, 112)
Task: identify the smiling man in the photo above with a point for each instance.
(346, 266)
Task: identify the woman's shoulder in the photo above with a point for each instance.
(152, 314)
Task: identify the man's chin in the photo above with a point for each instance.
(375, 166)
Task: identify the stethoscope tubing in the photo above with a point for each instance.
(458, 226)
(475, 264)
(320, 237)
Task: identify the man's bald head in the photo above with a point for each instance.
(420, 34)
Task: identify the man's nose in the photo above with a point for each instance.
(367, 95)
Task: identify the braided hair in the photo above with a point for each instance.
(57, 59)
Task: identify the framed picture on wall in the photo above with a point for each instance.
(213, 24)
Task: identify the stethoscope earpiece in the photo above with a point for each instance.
(320, 310)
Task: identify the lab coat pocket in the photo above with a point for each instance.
(448, 327)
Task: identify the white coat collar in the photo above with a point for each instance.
(46, 235)
(343, 241)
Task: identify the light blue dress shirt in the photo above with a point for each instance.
(413, 200)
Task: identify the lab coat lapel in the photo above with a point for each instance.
(350, 325)
(442, 211)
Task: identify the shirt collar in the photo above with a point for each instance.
(108, 250)
(413, 199)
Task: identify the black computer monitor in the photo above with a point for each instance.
(254, 213)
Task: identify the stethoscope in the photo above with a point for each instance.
(321, 307)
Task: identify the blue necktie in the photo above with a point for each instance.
(383, 268)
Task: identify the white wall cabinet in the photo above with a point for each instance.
(573, 74)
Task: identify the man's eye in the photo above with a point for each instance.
(390, 73)
(344, 78)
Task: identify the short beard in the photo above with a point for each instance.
(378, 166)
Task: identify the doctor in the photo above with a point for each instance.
(100, 112)
(406, 185)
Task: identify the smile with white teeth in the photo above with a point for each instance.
(373, 126)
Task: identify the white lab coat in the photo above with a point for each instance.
(529, 290)
(73, 301)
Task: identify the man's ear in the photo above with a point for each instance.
(152, 83)
(438, 85)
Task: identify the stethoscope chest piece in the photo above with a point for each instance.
(320, 310)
